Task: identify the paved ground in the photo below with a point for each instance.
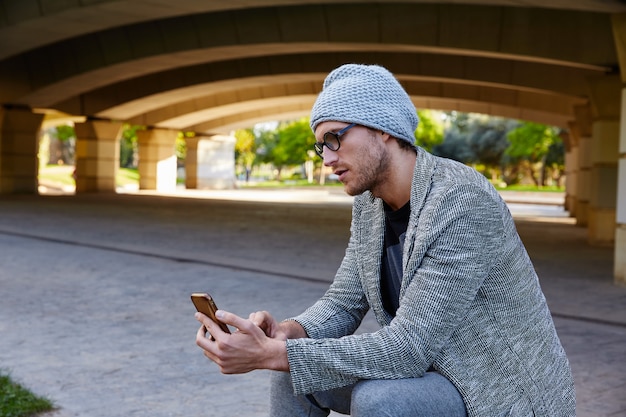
(95, 309)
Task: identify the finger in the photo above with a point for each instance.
(210, 325)
(258, 318)
(201, 338)
(234, 320)
(263, 320)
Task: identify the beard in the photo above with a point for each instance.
(370, 171)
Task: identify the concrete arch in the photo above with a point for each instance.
(113, 55)
(224, 104)
(126, 99)
(30, 24)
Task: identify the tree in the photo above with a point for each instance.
(245, 150)
(62, 148)
(455, 146)
(488, 140)
(479, 140)
(128, 146)
(430, 129)
(292, 140)
(474, 138)
(531, 143)
(555, 162)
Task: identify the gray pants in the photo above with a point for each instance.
(431, 395)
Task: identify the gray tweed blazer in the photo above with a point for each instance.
(471, 306)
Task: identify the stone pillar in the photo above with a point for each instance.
(603, 199)
(97, 156)
(216, 162)
(157, 159)
(584, 181)
(19, 143)
(571, 170)
(605, 100)
(582, 132)
(191, 163)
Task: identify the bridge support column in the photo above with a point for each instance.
(605, 95)
(157, 159)
(191, 163)
(584, 181)
(603, 199)
(571, 170)
(97, 156)
(19, 143)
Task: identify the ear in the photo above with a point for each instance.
(385, 136)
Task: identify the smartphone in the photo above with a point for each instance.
(205, 305)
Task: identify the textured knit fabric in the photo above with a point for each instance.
(367, 95)
(470, 304)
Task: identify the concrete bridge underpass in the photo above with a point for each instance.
(211, 67)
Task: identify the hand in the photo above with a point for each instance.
(245, 350)
(268, 324)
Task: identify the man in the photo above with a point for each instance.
(465, 329)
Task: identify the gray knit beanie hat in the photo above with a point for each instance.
(367, 95)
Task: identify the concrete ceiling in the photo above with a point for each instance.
(214, 65)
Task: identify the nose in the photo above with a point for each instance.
(329, 156)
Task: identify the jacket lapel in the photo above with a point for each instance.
(413, 252)
(372, 234)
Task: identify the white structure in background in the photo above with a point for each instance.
(216, 163)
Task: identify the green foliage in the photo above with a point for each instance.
(532, 141)
(287, 145)
(430, 129)
(245, 148)
(181, 144)
(60, 149)
(17, 401)
(455, 145)
(295, 139)
(487, 137)
(504, 150)
(474, 138)
(128, 145)
(63, 133)
(539, 150)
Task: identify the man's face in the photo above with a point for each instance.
(361, 160)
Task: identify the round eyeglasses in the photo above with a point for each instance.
(331, 140)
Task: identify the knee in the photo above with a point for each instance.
(369, 398)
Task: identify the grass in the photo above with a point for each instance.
(127, 176)
(285, 184)
(17, 401)
(58, 174)
(547, 188)
(62, 175)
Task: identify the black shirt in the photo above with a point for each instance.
(396, 223)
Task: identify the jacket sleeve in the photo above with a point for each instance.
(458, 236)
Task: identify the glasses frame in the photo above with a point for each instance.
(319, 146)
